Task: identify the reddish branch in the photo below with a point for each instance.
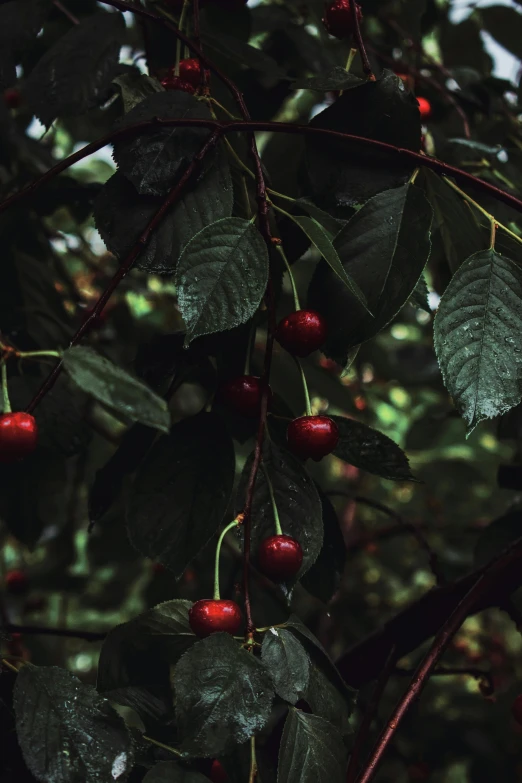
(367, 68)
(39, 630)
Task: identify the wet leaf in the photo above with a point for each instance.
(312, 751)
(288, 663)
(371, 450)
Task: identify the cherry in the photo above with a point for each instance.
(211, 615)
(12, 98)
(516, 709)
(338, 18)
(173, 82)
(243, 394)
(16, 582)
(302, 332)
(424, 108)
(190, 71)
(18, 436)
(218, 773)
(312, 436)
(280, 557)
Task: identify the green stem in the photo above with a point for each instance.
(34, 354)
(184, 9)
(161, 745)
(277, 521)
(491, 218)
(492, 234)
(282, 253)
(253, 761)
(305, 387)
(5, 393)
(217, 595)
(349, 61)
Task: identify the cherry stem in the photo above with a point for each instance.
(235, 523)
(162, 745)
(367, 68)
(277, 521)
(253, 761)
(184, 10)
(305, 387)
(36, 354)
(5, 393)
(483, 211)
(282, 253)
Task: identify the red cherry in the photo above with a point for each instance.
(280, 557)
(212, 615)
(173, 82)
(12, 98)
(424, 108)
(516, 709)
(312, 436)
(243, 394)
(190, 71)
(218, 773)
(16, 582)
(302, 332)
(338, 18)
(18, 436)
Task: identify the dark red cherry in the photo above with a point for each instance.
(302, 332)
(280, 557)
(18, 436)
(243, 394)
(16, 582)
(218, 773)
(173, 82)
(516, 709)
(211, 615)
(312, 436)
(12, 98)
(338, 18)
(190, 71)
(424, 108)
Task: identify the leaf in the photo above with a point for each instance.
(20, 23)
(324, 577)
(346, 172)
(477, 333)
(172, 772)
(419, 295)
(331, 224)
(241, 52)
(497, 536)
(135, 87)
(74, 73)
(337, 78)
(460, 232)
(505, 25)
(371, 450)
(115, 388)
(223, 696)
(297, 502)
(153, 159)
(121, 215)
(181, 492)
(222, 275)
(311, 751)
(67, 732)
(384, 248)
(320, 239)
(288, 663)
(328, 701)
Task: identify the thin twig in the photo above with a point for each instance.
(453, 671)
(36, 630)
(367, 68)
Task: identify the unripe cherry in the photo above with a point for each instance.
(338, 18)
(212, 615)
(312, 436)
(280, 557)
(18, 436)
(302, 332)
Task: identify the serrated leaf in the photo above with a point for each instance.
(477, 333)
(134, 87)
(327, 700)
(172, 772)
(288, 663)
(324, 577)
(311, 751)
(337, 78)
(297, 500)
(67, 732)
(419, 295)
(384, 248)
(115, 388)
(121, 215)
(221, 276)
(181, 491)
(321, 240)
(72, 75)
(371, 450)
(223, 696)
(152, 159)
(504, 24)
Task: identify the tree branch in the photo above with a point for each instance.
(37, 630)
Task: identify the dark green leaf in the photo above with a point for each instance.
(324, 577)
(152, 159)
(477, 333)
(67, 732)
(288, 663)
(338, 78)
(348, 173)
(505, 25)
(371, 450)
(73, 74)
(223, 696)
(172, 772)
(181, 492)
(384, 248)
(134, 87)
(115, 388)
(331, 224)
(221, 276)
(498, 535)
(312, 751)
(20, 22)
(297, 502)
(121, 215)
(241, 52)
(419, 295)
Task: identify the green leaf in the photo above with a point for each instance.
(505, 25)
(223, 696)
(384, 248)
(134, 87)
(337, 78)
(321, 240)
(331, 224)
(371, 450)
(311, 751)
(297, 500)
(477, 333)
(67, 732)
(221, 276)
(288, 663)
(241, 52)
(172, 772)
(115, 388)
(419, 295)
(181, 491)
(324, 577)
